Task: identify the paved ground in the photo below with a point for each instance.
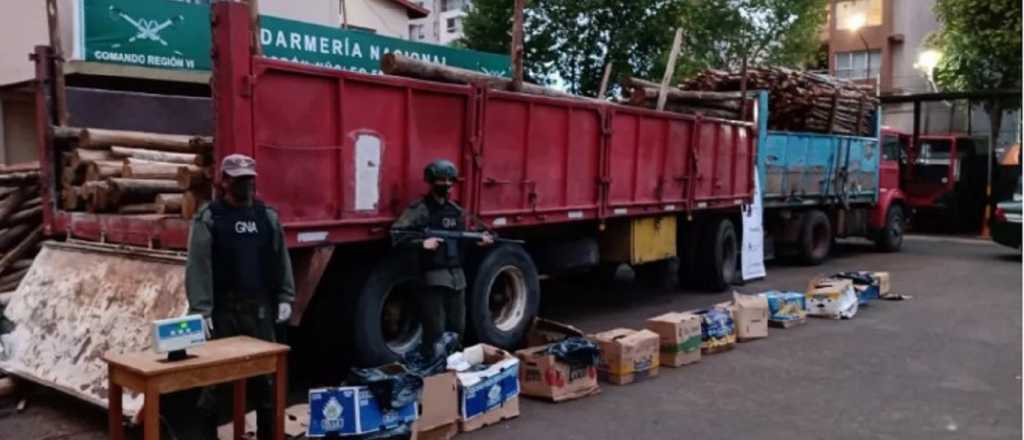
(946, 364)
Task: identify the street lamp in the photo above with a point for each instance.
(926, 62)
(855, 23)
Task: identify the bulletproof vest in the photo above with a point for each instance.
(444, 216)
(243, 253)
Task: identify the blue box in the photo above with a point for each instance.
(484, 390)
(352, 411)
(866, 294)
(786, 306)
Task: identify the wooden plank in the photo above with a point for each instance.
(670, 69)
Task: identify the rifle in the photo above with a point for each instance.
(450, 237)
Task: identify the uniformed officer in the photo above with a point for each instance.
(441, 300)
(238, 274)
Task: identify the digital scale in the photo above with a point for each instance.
(175, 335)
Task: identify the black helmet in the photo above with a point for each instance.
(440, 168)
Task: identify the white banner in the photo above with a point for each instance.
(752, 255)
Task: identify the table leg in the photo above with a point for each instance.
(151, 409)
(239, 410)
(114, 413)
(280, 395)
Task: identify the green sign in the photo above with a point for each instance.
(175, 35)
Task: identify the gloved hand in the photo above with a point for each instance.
(284, 312)
(208, 328)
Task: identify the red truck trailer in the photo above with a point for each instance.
(341, 154)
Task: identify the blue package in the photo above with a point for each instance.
(785, 306)
(493, 389)
(352, 411)
(716, 324)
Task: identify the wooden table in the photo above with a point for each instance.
(218, 361)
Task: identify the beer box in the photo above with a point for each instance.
(627, 355)
(884, 282)
(485, 394)
(352, 411)
(543, 375)
(831, 298)
(679, 338)
(750, 315)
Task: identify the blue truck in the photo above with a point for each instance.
(817, 187)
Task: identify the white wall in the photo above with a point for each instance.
(23, 24)
(383, 16)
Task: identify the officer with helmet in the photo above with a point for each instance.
(441, 299)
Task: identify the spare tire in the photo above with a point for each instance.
(503, 297)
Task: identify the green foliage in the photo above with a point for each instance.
(568, 42)
(980, 44)
(720, 33)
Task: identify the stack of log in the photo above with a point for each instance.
(800, 101)
(21, 223)
(131, 173)
(644, 93)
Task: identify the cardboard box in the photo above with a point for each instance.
(785, 306)
(545, 331)
(831, 298)
(884, 282)
(679, 338)
(439, 408)
(627, 355)
(717, 337)
(489, 395)
(352, 411)
(446, 432)
(543, 375)
(750, 315)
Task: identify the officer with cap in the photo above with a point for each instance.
(238, 274)
(441, 300)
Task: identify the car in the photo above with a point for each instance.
(1006, 221)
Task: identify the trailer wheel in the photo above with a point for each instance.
(385, 320)
(890, 238)
(503, 297)
(720, 269)
(815, 238)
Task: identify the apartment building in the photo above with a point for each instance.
(443, 25)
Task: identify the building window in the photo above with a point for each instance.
(416, 32)
(854, 65)
(852, 14)
(452, 25)
(449, 5)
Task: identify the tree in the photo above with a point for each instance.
(568, 42)
(980, 43)
(721, 33)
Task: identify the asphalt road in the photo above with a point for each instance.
(946, 364)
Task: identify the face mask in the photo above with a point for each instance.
(441, 189)
(242, 190)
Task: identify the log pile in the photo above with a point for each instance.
(800, 101)
(644, 93)
(128, 172)
(21, 222)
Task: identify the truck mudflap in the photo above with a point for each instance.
(81, 300)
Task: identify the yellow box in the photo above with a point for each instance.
(641, 240)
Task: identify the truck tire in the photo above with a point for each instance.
(503, 297)
(720, 254)
(815, 238)
(384, 318)
(890, 238)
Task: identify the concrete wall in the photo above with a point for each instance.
(24, 26)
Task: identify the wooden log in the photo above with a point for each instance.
(191, 202)
(675, 94)
(11, 204)
(23, 263)
(102, 169)
(31, 203)
(20, 167)
(142, 169)
(203, 160)
(19, 178)
(14, 275)
(101, 138)
(80, 157)
(139, 208)
(8, 386)
(169, 203)
(400, 65)
(21, 249)
(13, 285)
(97, 195)
(70, 175)
(12, 235)
(152, 155)
(72, 198)
(125, 191)
(31, 215)
(191, 177)
(670, 69)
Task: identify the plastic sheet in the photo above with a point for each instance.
(577, 352)
(392, 385)
(447, 344)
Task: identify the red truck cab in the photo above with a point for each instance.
(891, 209)
(945, 175)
